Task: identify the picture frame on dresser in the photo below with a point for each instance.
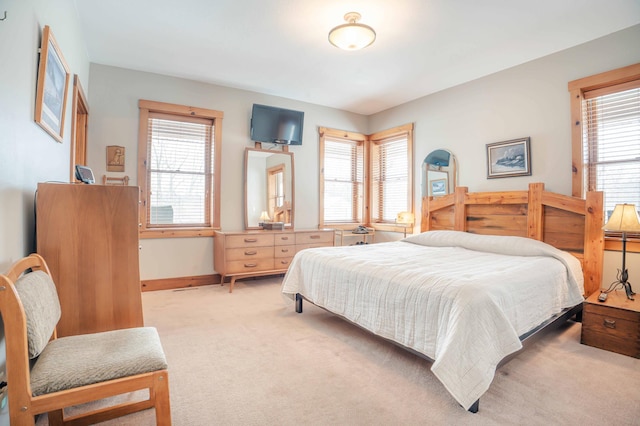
(52, 87)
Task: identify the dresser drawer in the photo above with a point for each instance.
(285, 251)
(284, 239)
(249, 253)
(615, 330)
(283, 262)
(249, 240)
(248, 266)
(313, 237)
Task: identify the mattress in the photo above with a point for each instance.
(460, 299)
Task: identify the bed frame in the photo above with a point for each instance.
(567, 223)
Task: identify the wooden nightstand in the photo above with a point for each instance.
(613, 325)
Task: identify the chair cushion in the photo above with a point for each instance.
(74, 361)
(39, 299)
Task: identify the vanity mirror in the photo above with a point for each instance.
(268, 188)
(439, 173)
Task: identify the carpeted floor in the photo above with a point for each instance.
(247, 358)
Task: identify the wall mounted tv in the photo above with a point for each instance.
(276, 125)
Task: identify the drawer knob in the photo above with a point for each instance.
(284, 238)
(284, 250)
(250, 240)
(314, 237)
(284, 262)
(609, 323)
(250, 265)
(250, 253)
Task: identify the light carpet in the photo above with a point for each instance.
(247, 358)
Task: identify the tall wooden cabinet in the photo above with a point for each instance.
(88, 235)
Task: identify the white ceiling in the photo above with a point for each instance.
(280, 47)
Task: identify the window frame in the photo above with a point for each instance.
(148, 230)
(367, 142)
(349, 137)
(390, 135)
(578, 90)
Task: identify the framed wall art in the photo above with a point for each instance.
(115, 158)
(509, 158)
(53, 82)
(438, 187)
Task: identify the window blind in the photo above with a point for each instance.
(389, 178)
(180, 167)
(343, 181)
(611, 144)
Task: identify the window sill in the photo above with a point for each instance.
(615, 244)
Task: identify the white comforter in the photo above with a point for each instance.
(461, 299)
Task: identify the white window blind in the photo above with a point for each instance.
(180, 167)
(611, 144)
(343, 181)
(389, 179)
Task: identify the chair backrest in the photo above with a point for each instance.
(41, 306)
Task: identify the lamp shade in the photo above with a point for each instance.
(405, 218)
(623, 219)
(264, 216)
(352, 36)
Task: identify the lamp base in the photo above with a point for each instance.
(628, 289)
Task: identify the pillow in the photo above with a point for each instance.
(41, 306)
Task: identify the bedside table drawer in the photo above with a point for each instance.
(611, 333)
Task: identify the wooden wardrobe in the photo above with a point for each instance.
(88, 235)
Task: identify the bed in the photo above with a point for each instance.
(488, 273)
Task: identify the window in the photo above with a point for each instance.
(606, 136)
(179, 170)
(341, 177)
(365, 179)
(391, 174)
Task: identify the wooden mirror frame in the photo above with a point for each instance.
(288, 197)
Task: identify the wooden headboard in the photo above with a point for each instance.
(568, 223)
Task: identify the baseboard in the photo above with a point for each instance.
(179, 282)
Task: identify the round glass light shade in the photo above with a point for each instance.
(352, 36)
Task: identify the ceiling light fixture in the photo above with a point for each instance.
(352, 36)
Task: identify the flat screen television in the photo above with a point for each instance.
(276, 125)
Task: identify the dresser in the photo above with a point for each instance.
(88, 235)
(257, 253)
(613, 325)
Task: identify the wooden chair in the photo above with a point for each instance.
(72, 370)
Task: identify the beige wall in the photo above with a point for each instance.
(28, 154)
(114, 121)
(527, 100)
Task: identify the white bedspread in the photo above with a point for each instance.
(461, 299)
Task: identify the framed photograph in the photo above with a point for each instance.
(509, 158)
(438, 187)
(115, 158)
(53, 82)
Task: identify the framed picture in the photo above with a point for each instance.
(115, 158)
(509, 158)
(438, 187)
(53, 82)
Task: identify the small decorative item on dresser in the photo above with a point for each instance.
(613, 325)
(273, 226)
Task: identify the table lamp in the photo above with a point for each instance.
(406, 220)
(624, 219)
(264, 217)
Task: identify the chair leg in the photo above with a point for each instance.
(162, 403)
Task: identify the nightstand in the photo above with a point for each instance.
(613, 325)
(367, 238)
